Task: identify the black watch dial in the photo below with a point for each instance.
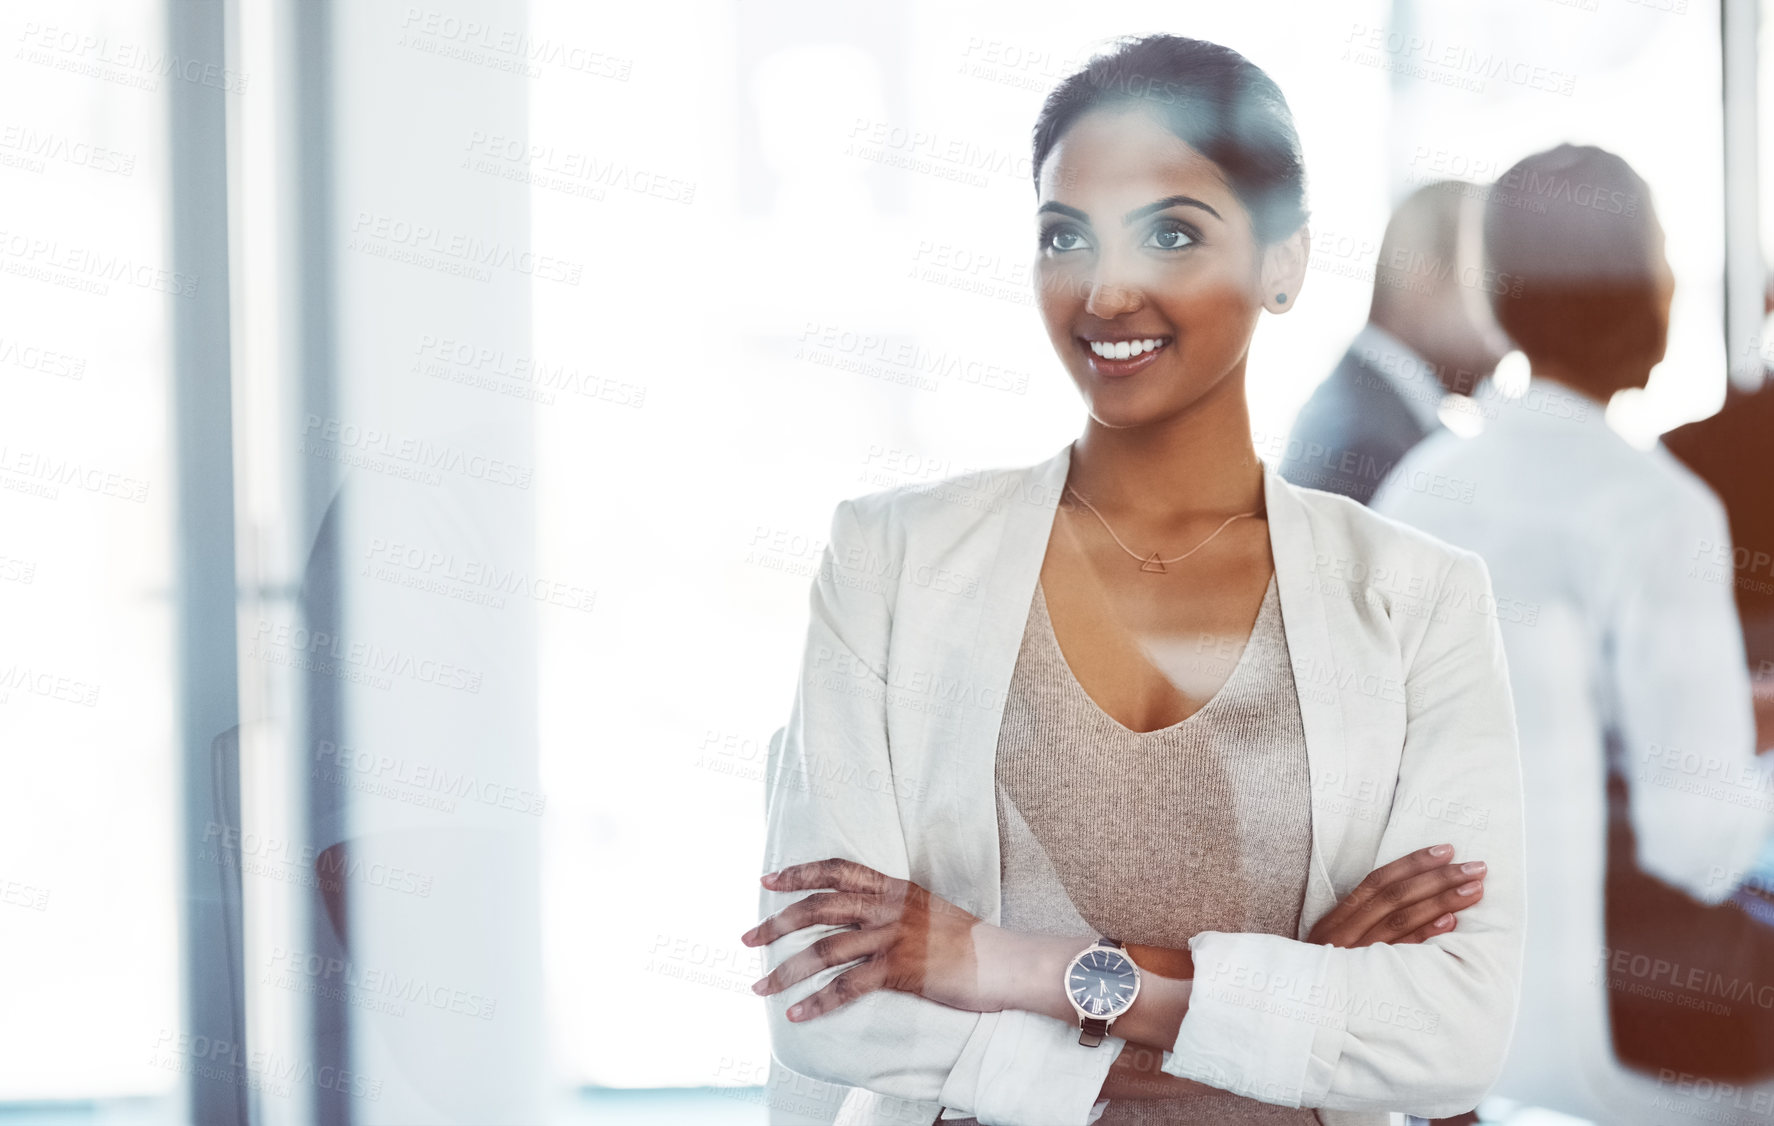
(1102, 982)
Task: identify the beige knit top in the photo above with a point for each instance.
(1153, 837)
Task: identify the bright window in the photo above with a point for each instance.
(89, 894)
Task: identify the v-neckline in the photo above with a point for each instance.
(1078, 686)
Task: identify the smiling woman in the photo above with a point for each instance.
(1134, 874)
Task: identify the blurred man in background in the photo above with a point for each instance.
(1624, 651)
(1427, 335)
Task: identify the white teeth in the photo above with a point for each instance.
(1125, 349)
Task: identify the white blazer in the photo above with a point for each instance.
(917, 615)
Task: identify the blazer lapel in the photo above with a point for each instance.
(965, 758)
(1312, 652)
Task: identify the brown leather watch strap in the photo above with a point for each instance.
(1092, 1031)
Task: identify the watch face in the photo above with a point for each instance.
(1102, 982)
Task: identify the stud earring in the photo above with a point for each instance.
(1281, 298)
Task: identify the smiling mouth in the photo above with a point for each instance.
(1123, 357)
(1126, 349)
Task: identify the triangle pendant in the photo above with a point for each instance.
(1154, 565)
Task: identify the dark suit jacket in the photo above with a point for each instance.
(1351, 432)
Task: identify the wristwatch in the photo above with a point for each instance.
(1101, 982)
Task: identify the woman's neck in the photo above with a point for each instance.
(1199, 461)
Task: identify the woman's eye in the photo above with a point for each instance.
(1065, 240)
(1170, 237)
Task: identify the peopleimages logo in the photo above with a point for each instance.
(506, 47)
(1697, 980)
(48, 685)
(518, 374)
(85, 268)
(335, 761)
(31, 357)
(370, 442)
(33, 147)
(306, 971)
(262, 1069)
(464, 249)
(467, 579)
(372, 659)
(902, 359)
(121, 62)
(281, 859)
(44, 475)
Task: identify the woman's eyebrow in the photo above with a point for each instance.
(1167, 201)
(1081, 216)
(1136, 213)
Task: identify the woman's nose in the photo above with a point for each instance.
(1109, 299)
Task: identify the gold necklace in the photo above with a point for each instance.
(1151, 562)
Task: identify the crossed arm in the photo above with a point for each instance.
(913, 941)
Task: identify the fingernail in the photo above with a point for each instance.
(747, 936)
(1471, 888)
(758, 985)
(1472, 867)
(1442, 850)
(794, 1012)
(1444, 920)
(769, 878)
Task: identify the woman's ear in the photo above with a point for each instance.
(1284, 270)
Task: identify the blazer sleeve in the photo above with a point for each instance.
(1421, 1029)
(829, 792)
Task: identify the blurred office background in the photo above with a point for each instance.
(419, 423)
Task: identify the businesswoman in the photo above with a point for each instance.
(1139, 785)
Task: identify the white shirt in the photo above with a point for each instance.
(888, 758)
(1612, 569)
(1408, 373)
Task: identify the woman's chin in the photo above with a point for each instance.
(1122, 405)
(1121, 416)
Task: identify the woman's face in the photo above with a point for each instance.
(1141, 241)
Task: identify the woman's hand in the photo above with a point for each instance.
(1409, 900)
(909, 939)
